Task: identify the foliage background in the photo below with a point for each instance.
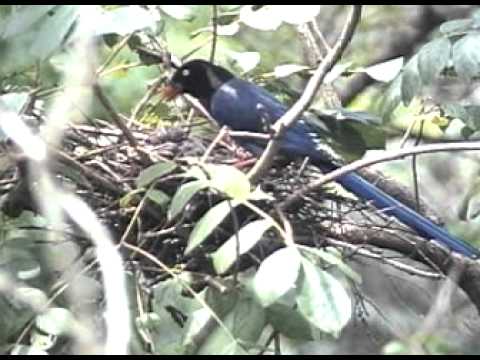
(36, 47)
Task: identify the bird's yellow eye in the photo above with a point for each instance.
(185, 72)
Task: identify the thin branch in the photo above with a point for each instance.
(411, 270)
(293, 114)
(416, 191)
(317, 35)
(215, 35)
(387, 156)
(114, 115)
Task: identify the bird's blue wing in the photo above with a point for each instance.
(247, 107)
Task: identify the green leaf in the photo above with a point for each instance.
(323, 300)
(289, 322)
(277, 275)
(163, 331)
(54, 29)
(333, 257)
(411, 83)
(456, 27)
(392, 98)
(150, 174)
(158, 197)
(433, 58)
(36, 297)
(466, 56)
(21, 19)
(32, 36)
(247, 237)
(245, 321)
(183, 196)
(385, 71)
(208, 223)
(229, 180)
(473, 119)
(55, 321)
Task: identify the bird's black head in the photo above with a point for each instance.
(198, 78)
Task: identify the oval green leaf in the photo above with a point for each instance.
(323, 300)
(247, 237)
(277, 275)
(208, 223)
(183, 196)
(148, 175)
(55, 321)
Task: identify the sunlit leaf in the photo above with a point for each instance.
(125, 20)
(55, 321)
(228, 30)
(264, 18)
(183, 196)
(42, 341)
(323, 300)
(208, 223)
(246, 60)
(179, 12)
(13, 101)
(229, 180)
(277, 275)
(246, 238)
(258, 194)
(26, 350)
(297, 15)
(285, 70)
(385, 71)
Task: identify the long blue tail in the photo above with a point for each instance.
(424, 227)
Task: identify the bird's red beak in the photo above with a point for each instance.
(170, 92)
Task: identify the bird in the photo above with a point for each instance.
(244, 106)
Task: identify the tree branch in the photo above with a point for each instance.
(292, 115)
(387, 156)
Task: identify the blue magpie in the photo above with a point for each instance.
(244, 106)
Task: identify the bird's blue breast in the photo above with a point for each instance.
(244, 106)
